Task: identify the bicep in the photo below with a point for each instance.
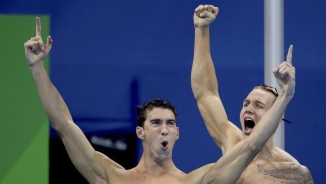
(220, 129)
(86, 160)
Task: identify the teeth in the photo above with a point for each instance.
(249, 123)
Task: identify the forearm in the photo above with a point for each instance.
(52, 101)
(270, 121)
(203, 77)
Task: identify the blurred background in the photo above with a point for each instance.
(109, 56)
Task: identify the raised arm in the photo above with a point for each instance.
(84, 157)
(238, 158)
(204, 83)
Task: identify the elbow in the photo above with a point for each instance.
(57, 127)
(209, 178)
(198, 94)
(255, 144)
(60, 126)
(197, 90)
(202, 88)
(198, 87)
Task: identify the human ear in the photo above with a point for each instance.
(140, 132)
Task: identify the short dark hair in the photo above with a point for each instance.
(142, 110)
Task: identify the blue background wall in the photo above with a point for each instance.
(104, 49)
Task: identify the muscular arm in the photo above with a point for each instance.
(230, 166)
(238, 158)
(205, 88)
(84, 157)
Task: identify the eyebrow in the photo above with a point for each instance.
(168, 120)
(259, 102)
(255, 101)
(156, 119)
(171, 120)
(246, 100)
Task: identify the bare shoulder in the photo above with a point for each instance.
(236, 131)
(307, 173)
(113, 171)
(289, 160)
(107, 163)
(233, 135)
(286, 167)
(283, 156)
(292, 172)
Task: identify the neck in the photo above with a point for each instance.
(155, 167)
(269, 150)
(270, 143)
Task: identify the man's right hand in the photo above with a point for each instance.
(35, 50)
(205, 15)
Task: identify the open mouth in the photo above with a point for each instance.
(249, 125)
(164, 144)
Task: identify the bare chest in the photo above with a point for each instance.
(259, 172)
(138, 179)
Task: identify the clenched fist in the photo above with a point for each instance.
(204, 15)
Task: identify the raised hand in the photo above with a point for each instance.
(205, 15)
(285, 74)
(35, 50)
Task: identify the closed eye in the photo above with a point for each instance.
(259, 105)
(246, 103)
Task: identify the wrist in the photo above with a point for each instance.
(36, 65)
(202, 31)
(201, 28)
(286, 94)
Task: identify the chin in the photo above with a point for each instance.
(161, 158)
(245, 134)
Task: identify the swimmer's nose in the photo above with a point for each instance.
(248, 111)
(164, 131)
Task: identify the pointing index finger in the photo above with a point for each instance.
(289, 56)
(38, 26)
